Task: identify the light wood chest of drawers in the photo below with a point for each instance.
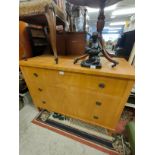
(96, 96)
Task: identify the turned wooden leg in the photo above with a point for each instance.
(100, 26)
(80, 58)
(71, 23)
(106, 55)
(51, 19)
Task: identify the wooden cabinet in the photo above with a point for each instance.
(24, 42)
(94, 96)
(71, 43)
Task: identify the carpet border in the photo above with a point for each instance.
(76, 138)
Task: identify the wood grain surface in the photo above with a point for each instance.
(122, 70)
(94, 96)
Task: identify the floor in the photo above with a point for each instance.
(35, 140)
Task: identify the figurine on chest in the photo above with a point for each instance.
(93, 51)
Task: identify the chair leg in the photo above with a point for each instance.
(51, 19)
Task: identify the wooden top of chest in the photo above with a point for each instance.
(122, 70)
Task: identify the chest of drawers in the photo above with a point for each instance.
(92, 95)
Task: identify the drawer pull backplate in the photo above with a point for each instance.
(35, 74)
(101, 85)
(95, 117)
(44, 102)
(40, 89)
(98, 103)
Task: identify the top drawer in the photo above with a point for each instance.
(106, 85)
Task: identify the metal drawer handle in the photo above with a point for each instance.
(44, 102)
(40, 89)
(98, 103)
(101, 85)
(35, 74)
(95, 117)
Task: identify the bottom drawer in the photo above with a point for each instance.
(92, 107)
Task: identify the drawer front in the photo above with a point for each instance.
(62, 79)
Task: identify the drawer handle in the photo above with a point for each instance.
(40, 89)
(98, 103)
(95, 117)
(101, 85)
(44, 102)
(35, 74)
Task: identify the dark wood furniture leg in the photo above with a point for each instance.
(100, 26)
(80, 58)
(84, 24)
(106, 54)
(39, 109)
(51, 19)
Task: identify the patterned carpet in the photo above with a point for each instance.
(80, 131)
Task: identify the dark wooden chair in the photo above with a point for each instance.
(45, 13)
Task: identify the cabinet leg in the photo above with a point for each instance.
(39, 109)
(109, 132)
(51, 19)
